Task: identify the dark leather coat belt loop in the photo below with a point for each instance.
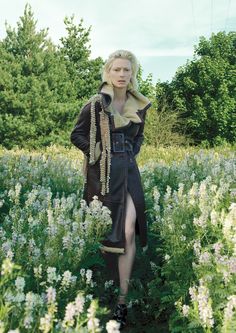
(120, 144)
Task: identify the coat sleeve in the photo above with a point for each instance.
(138, 140)
(81, 133)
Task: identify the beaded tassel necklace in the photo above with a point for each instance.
(105, 161)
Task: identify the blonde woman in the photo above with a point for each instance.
(109, 131)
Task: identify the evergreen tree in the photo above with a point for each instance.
(38, 98)
(84, 72)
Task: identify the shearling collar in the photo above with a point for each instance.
(136, 102)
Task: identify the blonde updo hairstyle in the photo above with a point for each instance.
(124, 54)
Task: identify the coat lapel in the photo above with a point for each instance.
(135, 103)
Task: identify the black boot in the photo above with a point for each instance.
(120, 314)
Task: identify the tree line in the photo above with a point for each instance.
(43, 87)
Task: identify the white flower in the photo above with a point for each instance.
(69, 315)
(38, 271)
(7, 267)
(51, 294)
(108, 284)
(204, 258)
(185, 310)
(113, 326)
(19, 297)
(20, 283)
(66, 278)
(51, 275)
(45, 323)
(89, 274)
(82, 272)
(79, 303)
(230, 306)
(167, 257)
(93, 325)
(197, 247)
(28, 321)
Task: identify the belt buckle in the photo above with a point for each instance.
(118, 144)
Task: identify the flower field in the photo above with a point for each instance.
(53, 277)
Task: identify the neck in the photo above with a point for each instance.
(119, 94)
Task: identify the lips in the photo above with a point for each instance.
(121, 81)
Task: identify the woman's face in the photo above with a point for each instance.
(120, 72)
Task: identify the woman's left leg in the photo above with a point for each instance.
(125, 261)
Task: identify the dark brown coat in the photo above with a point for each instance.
(124, 173)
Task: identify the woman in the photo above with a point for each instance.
(109, 131)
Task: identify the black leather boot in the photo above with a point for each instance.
(120, 314)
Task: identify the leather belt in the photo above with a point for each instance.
(120, 144)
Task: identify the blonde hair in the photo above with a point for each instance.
(124, 54)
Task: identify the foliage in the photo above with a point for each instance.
(189, 199)
(41, 85)
(84, 73)
(203, 91)
(192, 212)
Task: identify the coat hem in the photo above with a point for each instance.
(112, 249)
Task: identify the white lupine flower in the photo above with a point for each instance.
(93, 325)
(217, 247)
(79, 304)
(204, 258)
(20, 283)
(51, 275)
(167, 257)
(67, 279)
(50, 216)
(28, 321)
(6, 246)
(38, 271)
(18, 188)
(108, 284)
(7, 267)
(112, 326)
(19, 297)
(67, 241)
(89, 274)
(69, 315)
(193, 293)
(214, 217)
(197, 247)
(89, 297)
(32, 300)
(185, 310)
(10, 254)
(45, 323)
(82, 272)
(230, 306)
(51, 295)
(201, 296)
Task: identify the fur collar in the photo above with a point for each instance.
(135, 102)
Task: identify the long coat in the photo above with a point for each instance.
(126, 130)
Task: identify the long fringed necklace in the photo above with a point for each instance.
(105, 161)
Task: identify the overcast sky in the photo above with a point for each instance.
(161, 33)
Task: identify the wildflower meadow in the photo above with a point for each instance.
(53, 276)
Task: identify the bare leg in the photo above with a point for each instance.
(125, 261)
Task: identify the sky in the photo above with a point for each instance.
(161, 33)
